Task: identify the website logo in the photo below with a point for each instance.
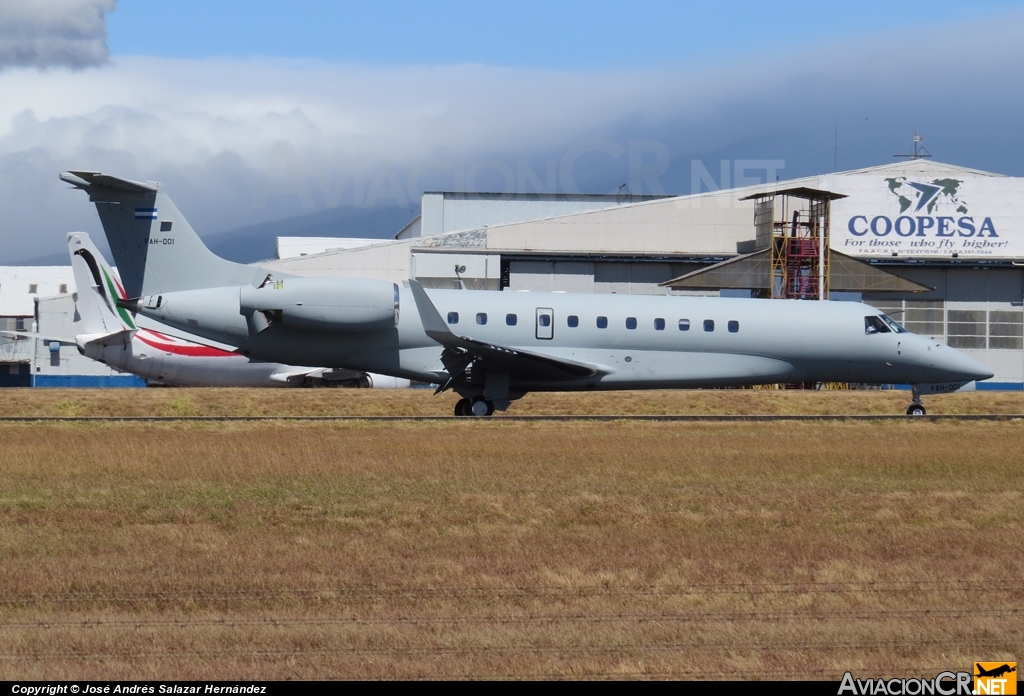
(995, 678)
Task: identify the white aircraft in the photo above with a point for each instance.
(111, 335)
(494, 347)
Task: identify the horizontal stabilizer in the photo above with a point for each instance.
(118, 338)
(84, 180)
(42, 337)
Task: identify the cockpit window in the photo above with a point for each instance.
(893, 324)
(873, 325)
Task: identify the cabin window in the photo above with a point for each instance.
(481, 318)
(453, 317)
(734, 326)
(602, 322)
(511, 319)
(659, 324)
(630, 323)
(684, 324)
(32, 287)
(709, 325)
(544, 319)
(572, 321)
(63, 288)
(873, 325)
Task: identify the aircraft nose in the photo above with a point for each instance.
(963, 366)
(981, 371)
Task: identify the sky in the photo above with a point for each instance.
(254, 111)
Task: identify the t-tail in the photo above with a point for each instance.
(154, 247)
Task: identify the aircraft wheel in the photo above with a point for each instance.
(481, 408)
(462, 407)
(916, 410)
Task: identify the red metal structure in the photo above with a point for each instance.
(794, 224)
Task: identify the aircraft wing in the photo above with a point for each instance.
(515, 361)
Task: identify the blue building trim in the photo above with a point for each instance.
(1000, 386)
(88, 381)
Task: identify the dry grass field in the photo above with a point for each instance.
(498, 549)
(422, 402)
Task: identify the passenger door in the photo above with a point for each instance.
(545, 323)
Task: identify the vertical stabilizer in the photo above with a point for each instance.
(98, 289)
(154, 247)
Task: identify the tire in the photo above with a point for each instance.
(481, 408)
(462, 407)
(916, 410)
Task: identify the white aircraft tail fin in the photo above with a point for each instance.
(99, 290)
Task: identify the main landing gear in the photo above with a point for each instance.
(477, 406)
(916, 408)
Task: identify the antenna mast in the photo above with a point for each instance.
(919, 151)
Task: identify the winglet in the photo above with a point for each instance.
(433, 325)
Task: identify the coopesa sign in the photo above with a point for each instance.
(941, 216)
(921, 226)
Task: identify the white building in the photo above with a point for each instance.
(20, 286)
(41, 299)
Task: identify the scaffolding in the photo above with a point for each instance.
(794, 225)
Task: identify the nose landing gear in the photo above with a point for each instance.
(916, 408)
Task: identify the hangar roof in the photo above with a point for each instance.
(798, 192)
(720, 223)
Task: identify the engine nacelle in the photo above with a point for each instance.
(340, 305)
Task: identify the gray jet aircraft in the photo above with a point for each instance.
(494, 347)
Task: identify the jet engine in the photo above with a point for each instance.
(342, 305)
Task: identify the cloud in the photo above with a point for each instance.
(49, 33)
(244, 141)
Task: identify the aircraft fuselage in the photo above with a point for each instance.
(634, 341)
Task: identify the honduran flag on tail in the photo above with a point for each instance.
(145, 213)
